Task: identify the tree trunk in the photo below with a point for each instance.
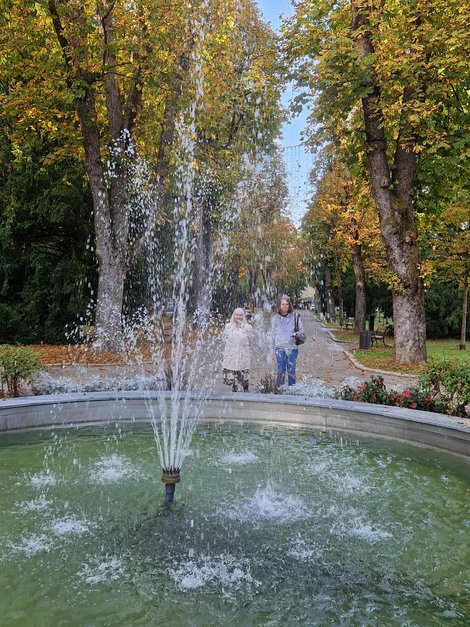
(111, 231)
(463, 328)
(340, 296)
(359, 274)
(109, 306)
(392, 191)
(253, 281)
(201, 295)
(329, 300)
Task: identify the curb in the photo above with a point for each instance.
(359, 366)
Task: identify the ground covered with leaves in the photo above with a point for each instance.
(84, 354)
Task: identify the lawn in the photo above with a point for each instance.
(382, 358)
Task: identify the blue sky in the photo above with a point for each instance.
(298, 161)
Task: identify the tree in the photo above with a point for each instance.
(451, 254)
(112, 83)
(339, 230)
(393, 59)
(323, 238)
(46, 262)
(266, 241)
(96, 60)
(237, 125)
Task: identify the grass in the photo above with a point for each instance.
(382, 358)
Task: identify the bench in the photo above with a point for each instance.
(344, 322)
(378, 336)
(349, 324)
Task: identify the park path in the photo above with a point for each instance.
(324, 359)
(321, 359)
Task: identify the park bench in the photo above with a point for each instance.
(378, 336)
(344, 322)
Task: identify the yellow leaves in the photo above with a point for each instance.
(31, 112)
(426, 271)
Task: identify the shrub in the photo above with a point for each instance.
(444, 310)
(448, 382)
(422, 398)
(373, 391)
(414, 398)
(17, 363)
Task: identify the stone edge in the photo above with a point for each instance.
(66, 410)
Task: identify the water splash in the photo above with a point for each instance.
(43, 479)
(221, 570)
(269, 504)
(36, 505)
(109, 569)
(352, 524)
(309, 386)
(112, 469)
(238, 459)
(70, 526)
(35, 543)
(305, 552)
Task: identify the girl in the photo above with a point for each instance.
(236, 360)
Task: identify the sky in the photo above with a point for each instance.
(272, 10)
(298, 160)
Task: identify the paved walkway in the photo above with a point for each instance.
(321, 358)
(327, 359)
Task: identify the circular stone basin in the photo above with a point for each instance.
(272, 525)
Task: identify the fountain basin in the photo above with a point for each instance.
(418, 427)
(282, 515)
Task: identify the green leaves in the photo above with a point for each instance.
(17, 363)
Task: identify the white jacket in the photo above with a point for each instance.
(237, 346)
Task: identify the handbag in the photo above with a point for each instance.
(301, 338)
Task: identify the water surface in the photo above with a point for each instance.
(269, 527)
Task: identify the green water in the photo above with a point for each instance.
(268, 528)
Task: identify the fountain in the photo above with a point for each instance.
(170, 477)
(314, 511)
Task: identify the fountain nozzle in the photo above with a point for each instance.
(170, 477)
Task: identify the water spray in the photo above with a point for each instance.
(170, 477)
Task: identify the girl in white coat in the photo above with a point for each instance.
(236, 360)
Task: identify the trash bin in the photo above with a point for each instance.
(371, 320)
(364, 339)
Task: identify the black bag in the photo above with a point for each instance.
(301, 338)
